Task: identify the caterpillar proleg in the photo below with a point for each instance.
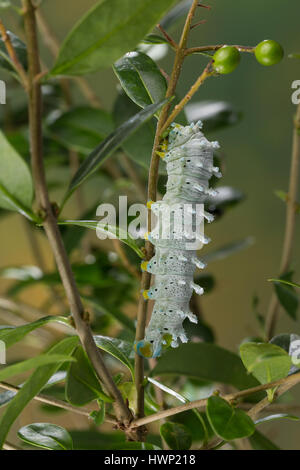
(177, 236)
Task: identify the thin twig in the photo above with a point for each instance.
(13, 55)
(168, 37)
(152, 193)
(286, 383)
(50, 222)
(195, 50)
(291, 213)
(58, 403)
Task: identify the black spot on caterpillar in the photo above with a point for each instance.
(189, 158)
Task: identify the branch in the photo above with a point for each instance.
(286, 383)
(58, 403)
(152, 193)
(50, 222)
(291, 212)
(167, 37)
(195, 50)
(13, 55)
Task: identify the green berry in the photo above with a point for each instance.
(268, 52)
(226, 59)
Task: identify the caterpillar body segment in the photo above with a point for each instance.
(177, 236)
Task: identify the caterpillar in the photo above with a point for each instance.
(189, 162)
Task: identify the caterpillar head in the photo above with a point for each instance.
(180, 134)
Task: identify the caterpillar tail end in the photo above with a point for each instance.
(145, 349)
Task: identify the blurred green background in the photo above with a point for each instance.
(257, 153)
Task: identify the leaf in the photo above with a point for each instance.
(205, 361)
(19, 47)
(155, 39)
(139, 146)
(287, 296)
(108, 30)
(267, 362)
(228, 423)
(176, 13)
(82, 385)
(226, 198)
(260, 442)
(82, 128)
(12, 335)
(110, 144)
(98, 416)
(111, 231)
(16, 189)
(228, 250)
(46, 436)
(141, 79)
(288, 283)
(28, 364)
(274, 417)
(113, 312)
(33, 386)
(215, 115)
(177, 436)
(118, 348)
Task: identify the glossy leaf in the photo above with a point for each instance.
(228, 423)
(141, 79)
(277, 416)
(108, 30)
(82, 128)
(139, 146)
(12, 335)
(120, 349)
(46, 436)
(267, 362)
(177, 436)
(210, 362)
(259, 441)
(16, 189)
(19, 47)
(82, 385)
(287, 297)
(214, 114)
(32, 363)
(155, 39)
(283, 281)
(114, 232)
(33, 385)
(110, 144)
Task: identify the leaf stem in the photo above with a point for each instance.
(291, 213)
(195, 50)
(50, 222)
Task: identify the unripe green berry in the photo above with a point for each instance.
(268, 52)
(226, 59)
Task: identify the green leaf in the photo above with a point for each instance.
(118, 348)
(82, 385)
(274, 417)
(260, 442)
(110, 144)
(98, 416)
(215, 115)
(16, 189)
(155, 39)
(12, 335)
(177, 436)
(82, 128)
(141, 79)
(205, 361)
(228, 250)
(139, 146)
(287, 296)
(111, 231)
(291, 344)
(176, 13)
(288, 283)
(108, 30)
(114, 312)
(19, 47)
(228, 423)
(267, 362)
(28, 364)
(46, 436)
(33, 386)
